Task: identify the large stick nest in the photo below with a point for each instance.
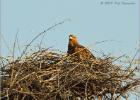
(46, 75)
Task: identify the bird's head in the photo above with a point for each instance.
(72, 37)
(73, 40)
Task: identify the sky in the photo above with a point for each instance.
(90, 20)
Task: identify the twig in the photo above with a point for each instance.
(134, 57)
(24, 51)
(14, 45)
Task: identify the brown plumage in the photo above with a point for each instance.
(79, 51)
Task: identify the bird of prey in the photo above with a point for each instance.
(78, 51)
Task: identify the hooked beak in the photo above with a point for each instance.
(70, 37)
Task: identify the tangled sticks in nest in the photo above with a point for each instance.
(46, 75)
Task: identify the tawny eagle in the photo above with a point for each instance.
(80, 52)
